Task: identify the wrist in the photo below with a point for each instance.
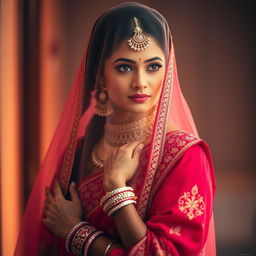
(110, 185)
(70, 226)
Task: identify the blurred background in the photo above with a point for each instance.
(41, 45)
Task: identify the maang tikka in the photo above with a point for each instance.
(138, 42)
(103, 106)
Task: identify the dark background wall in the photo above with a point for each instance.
(214, 43)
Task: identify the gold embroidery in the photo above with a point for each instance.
(192, 203)
(175, 230)
(155, 155)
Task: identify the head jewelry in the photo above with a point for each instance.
(139, 41)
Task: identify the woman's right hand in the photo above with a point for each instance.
(61, 214)
(121, 165)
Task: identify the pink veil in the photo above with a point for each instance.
(77, 112)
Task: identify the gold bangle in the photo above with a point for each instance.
(108, 248)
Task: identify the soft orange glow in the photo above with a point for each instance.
(51, 69)
(10, 127)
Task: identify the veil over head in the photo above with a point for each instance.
(78, 121)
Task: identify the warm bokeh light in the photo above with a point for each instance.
(51, 72)
(41, 46)
(10, 127)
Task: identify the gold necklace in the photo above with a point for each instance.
(120, 134)
(138, 130)
(96, 160)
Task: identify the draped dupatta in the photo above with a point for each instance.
(79, 110)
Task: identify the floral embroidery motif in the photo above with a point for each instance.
(192, 203)
(175, 230)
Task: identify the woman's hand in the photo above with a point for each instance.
(121, 165)
(61, 214)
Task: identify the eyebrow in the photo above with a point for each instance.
(132, 61)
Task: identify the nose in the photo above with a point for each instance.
(139, 80)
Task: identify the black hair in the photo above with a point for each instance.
(110, 30)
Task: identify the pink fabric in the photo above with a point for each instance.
(58, 163)
(171, 231)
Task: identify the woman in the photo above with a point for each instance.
(131, 177)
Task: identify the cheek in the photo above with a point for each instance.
(117, 84)
(158, 83)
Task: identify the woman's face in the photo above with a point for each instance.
(133, 79)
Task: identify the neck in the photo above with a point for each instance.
(123, 117)
(120, 117)
(138, 128)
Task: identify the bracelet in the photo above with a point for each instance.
(91, 239)
(117, 199)
(119, 206)
(80, 238)
(72, 233)
(115, 191)
(108, 248)
(114, 204)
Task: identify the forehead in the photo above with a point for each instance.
(125, 51)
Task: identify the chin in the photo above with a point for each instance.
(136, 109)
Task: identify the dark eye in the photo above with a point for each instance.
(123, 68)
(154, 67)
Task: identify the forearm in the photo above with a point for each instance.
(129, 225)
(130, 228)
(100, 246)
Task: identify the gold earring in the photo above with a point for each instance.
(103, 107)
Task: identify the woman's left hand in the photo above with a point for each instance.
(61, 214)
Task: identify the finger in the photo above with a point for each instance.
(73, 192)
(57, 189)
(137, 150)
(47, 222)
(131, 147)
(130, 144)
(46, 211)
(48, 193)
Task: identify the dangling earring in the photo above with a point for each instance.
(103, 107)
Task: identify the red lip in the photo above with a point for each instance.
(139, 96)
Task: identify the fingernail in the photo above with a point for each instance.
(73, 184)
(141, 146)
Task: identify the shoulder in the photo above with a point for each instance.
(185, 157)
(182, 146)
(178, 141)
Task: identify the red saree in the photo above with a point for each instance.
(180, 204)
(174, 181)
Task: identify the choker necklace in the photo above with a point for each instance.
(139, 130)
(120, 134)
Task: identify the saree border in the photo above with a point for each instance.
(65, 172)
(163, 175)
(175, 159)
(158, 137)
(137, 246)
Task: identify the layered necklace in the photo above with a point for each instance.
(117, 135)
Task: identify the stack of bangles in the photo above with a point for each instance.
(117, 199)
(81, 237)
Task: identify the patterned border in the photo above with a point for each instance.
(65, 172)
(137, 246)
(158, 136)
(166, 172)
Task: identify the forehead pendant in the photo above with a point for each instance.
(138, 42)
